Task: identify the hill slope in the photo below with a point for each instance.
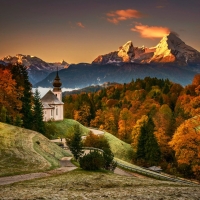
(25, 151)
(119, 148)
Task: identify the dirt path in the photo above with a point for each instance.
(66, 166)
(96, 132)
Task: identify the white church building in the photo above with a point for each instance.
(52, 102)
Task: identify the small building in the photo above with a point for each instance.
(52, 102)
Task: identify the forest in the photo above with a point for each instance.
(18, 105)
(159, 118)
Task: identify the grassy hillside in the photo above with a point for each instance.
(120, 149)
(67, 125)
(24, 151)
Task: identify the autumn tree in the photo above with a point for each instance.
(125, 125)
(136, 131)
(9, 94)
(196, 80)
(83, 115)
(186, 144)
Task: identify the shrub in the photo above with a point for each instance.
(100, 142)
(92, 161)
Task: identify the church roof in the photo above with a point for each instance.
(56, 82)
(46, 105)
(50, 98)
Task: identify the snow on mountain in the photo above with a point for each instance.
(36, 67)
(170, 49)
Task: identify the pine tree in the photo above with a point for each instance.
(152, 149)
(148, 148)
(3, 114)
(18, 121)
(140, 153)
(20, 74)
(75, 143)
(38, 124)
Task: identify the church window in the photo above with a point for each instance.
(56, 111)
(51, 112)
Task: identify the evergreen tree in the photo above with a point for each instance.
(75, 143)
(18, 121)
(20, 74)
(140, 153)
(152, 149)
(3, 114)
(148, 149)
(38, 124)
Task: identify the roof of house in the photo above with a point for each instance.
(49, 99)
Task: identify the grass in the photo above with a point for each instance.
(119, 148)
(24, 151)
(80, 184)
(68, 125)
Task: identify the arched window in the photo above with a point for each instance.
(56, 111)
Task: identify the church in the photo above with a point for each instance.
(52, 102)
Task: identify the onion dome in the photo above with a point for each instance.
(56, 82)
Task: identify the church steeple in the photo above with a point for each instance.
(56, 82)
(57, 86)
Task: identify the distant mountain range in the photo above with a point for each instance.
(37, 68)
(171, 58)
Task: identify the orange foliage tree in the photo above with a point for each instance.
(125, 125)
(186, 144)
(9, 94)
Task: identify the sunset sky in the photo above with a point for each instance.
(80, 30)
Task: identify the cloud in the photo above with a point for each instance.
(160, 6)
(150, 31)
(120, 15)
(80, 24)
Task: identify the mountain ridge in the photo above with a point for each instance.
(170, 49)
(36, 67)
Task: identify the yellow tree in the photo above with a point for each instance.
(125, 125)
(137, 130)
(186, 144)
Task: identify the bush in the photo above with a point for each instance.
(92, 161)
(100, 142)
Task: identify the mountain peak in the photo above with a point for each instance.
(126, 52)
(171, 49)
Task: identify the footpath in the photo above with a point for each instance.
(65, 163)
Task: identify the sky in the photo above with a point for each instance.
(80, 30)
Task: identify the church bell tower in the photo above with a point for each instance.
(57, 87)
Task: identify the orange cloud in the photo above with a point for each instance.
(121, 15)
(80, 25)
(160, 6)
(151, 31)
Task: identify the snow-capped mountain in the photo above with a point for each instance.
(126, 53)
(37, 68)
(170, 49)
